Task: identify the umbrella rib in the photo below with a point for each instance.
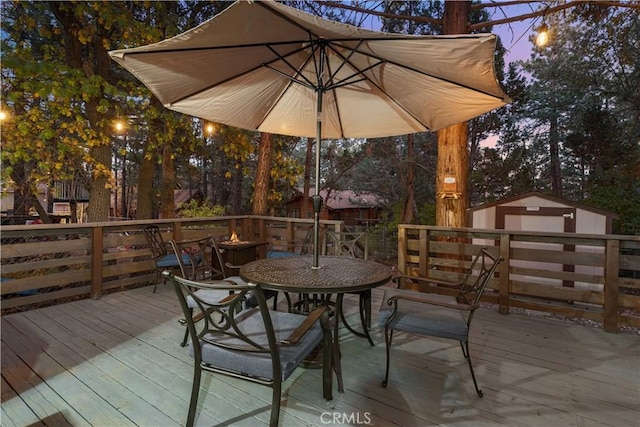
(293, 78)
(364, 77)
(345, 60)
(415, 70)
(362, 39)
(278, 57)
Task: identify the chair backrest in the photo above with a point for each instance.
(307, 244)
(347, 243)
(155, 240)
(221, 317)
(218, 265)
(194, 258)
(477, 277)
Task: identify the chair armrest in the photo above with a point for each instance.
(444, 283)
(462, 307)
(231, 266)
(304, 326)
(199, 316)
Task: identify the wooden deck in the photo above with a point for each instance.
(117, 362)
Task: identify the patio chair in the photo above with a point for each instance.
(164, 258)
(223, 270)
(190, 254)
(195, 259)
(438, 315)
(254, 344)
(354, 245)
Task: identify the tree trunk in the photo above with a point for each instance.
(21, 191)
(144, 206)
(452, 141)
(100, 151)
(42, 214)
(554, 152)
(451, 176)
(236, 190)
(167, 199)
(407, 215)
(263, 169)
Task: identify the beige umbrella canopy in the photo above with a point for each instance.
(272, 68)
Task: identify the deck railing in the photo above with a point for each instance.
(48, 263)
(595, 277)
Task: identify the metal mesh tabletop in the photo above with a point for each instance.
(334, 275)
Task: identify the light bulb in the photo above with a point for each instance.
(543, 36)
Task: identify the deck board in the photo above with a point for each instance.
(117, 362)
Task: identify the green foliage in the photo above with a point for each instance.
(197, 209)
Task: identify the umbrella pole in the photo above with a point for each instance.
(317, 199)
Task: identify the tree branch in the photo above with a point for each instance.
(339, 5)
(430, 20)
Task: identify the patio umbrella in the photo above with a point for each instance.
(272, 68)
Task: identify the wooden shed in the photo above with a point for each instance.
(543, 213)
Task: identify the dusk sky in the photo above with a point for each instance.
(515, 35)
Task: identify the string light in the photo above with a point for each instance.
(543, 35)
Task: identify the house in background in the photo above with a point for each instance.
(61, 202)
(537, 212)
(363, 209)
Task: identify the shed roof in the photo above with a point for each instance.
(547, 197)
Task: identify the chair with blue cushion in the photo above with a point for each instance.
(438, 315)
(254, 344)
(164, 258)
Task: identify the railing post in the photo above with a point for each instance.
(423, 253)
(262, 237)
(611, 268)
(247, 229)
(97, 241)
(402, 252)
(503, 284)
(177, 231)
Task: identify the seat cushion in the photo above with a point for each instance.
(281, 254)
(259, 364)
(208, 295)
(424, 319)
(170, 261)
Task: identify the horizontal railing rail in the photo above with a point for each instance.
(588, 276)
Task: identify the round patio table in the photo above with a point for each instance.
(334, 275)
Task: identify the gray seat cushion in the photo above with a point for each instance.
(425, 319)
(208, 295)
(259, 364)
(212, 295)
